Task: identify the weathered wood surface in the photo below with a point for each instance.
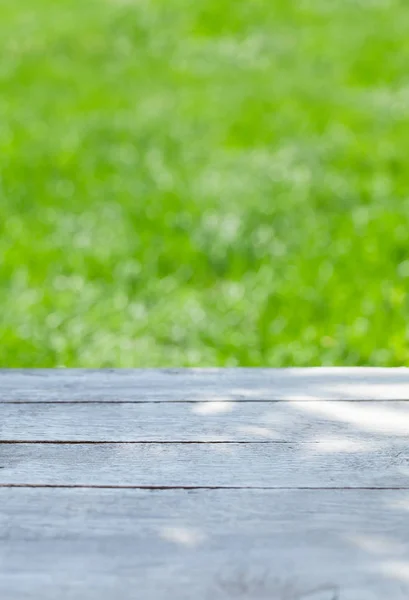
(167, 385)
(334, 421)
(207, 544)
(267, 465)
(326, 448)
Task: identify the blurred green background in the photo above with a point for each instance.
(207, 182)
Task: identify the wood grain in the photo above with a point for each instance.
(321, 513)
(207, 544)
(269, 465)
(167, 385)
(207, 421)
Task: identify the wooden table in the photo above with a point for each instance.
(204, 484)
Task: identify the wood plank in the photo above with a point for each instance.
(219, 544)
(206, 421)
(145, 385)
(268, 465)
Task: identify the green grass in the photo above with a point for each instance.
(205, 182)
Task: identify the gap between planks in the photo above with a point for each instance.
(229, 399)
(202, 487)
(163, 442)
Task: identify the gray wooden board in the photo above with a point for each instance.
(268, 465)
(42, 385)
(272, 543)
(334, 421)
(207, 544)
